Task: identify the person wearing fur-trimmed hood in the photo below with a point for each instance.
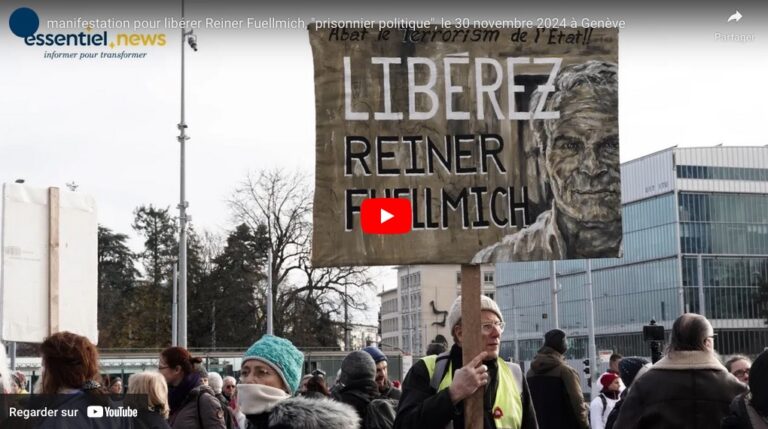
(269, 375)
(688, 388)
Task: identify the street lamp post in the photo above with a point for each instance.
(186, 36)
(592, 352)
(175, 308)
(555, 290)
(514, 327)
(270, 298)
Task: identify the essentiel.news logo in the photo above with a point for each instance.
(25, 23)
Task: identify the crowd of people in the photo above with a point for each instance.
(688, 388)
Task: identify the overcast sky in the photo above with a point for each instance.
(110, 125)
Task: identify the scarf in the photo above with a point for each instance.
(258, 398)
(178, 394)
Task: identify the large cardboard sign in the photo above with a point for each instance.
(505, 141)
(49, 264)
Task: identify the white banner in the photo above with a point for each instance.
(24, 264)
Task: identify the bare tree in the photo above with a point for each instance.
(212, 245)
(283, 201)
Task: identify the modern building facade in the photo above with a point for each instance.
(413, 314)
(695, 224)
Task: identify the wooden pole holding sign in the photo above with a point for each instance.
(53, 260)
(472, 342)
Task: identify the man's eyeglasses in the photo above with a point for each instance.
(488, 327)
(162, 367)
(741, 372)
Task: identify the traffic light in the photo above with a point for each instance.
(586, 371)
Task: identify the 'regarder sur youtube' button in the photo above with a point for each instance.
(385, 215)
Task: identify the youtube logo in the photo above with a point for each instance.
(386, 215)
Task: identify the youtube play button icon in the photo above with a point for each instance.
(386, 215)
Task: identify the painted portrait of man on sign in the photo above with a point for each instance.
(578, 154)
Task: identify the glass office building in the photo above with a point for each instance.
(695, 224)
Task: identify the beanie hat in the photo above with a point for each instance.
(282, 356)
(376, 354)
(454, 316)
(555, 339)
(629, 367)
(200, 369)
(608, 378)
(215, 381)
(358, 366)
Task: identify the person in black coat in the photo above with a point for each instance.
(423, 406)
(357, 382)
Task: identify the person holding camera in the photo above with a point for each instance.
(688, 388)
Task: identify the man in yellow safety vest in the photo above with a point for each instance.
(436, 386)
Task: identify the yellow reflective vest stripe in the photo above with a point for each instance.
(507, 409)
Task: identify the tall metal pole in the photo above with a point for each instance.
(592, 347)
(553, 277)
(514, 328)
(270, 328)
(175, 308)
(410, 316)
(346, 320)
(13, 355)
(182, 338)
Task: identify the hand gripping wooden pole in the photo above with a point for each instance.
(471, 343)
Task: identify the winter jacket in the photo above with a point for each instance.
(556, 392)
(598, 414)
(685, 389)
(421, 407)
(303, 413)
(743, 415)
(210, 414)
(229, 414)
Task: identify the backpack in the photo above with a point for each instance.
(605, 407)
(605, 404)
(379, 412)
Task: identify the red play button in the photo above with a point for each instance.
(386, 215)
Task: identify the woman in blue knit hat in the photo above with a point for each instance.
(269, 376)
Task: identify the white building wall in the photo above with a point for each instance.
(738, 157)
(648, 176)
(430, 285)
